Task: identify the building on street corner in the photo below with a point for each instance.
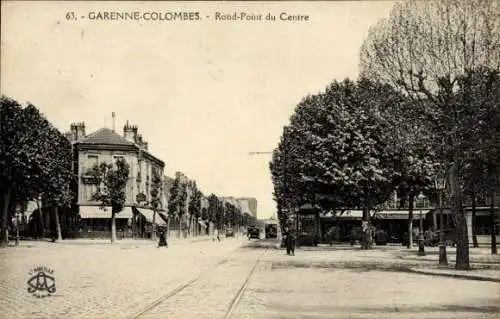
(106, 146)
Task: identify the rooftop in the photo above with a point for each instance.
(105, 136)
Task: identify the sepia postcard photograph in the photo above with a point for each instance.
(250, 159)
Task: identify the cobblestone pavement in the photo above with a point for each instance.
(100, 280)
(118, 281)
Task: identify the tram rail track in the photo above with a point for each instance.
(236, 300)
(186, 284)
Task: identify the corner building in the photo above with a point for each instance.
(107, 146)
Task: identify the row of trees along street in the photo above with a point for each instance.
(427, 102)
(35, 163)
(223, 215)
(185, 200)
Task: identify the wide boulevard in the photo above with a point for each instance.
(237, 278)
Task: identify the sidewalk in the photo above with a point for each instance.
(474, 274)
(484, 265)
(119, 242)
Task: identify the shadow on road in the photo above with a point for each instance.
(262, 244)
(358, 266)
(386, 309)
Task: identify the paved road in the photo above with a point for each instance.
(101, 280)
(231, 280)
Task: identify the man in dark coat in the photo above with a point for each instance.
(289, 241)
(163, 238)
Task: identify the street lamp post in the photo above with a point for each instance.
(421, 246)
(440, 186)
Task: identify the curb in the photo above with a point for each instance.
(456, 276)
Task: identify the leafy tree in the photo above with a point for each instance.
(194, 206)
(213, 207)
(60, 191)
(414, 159)
(35, 159)
(478, 100)
(177, 201)
(231, 216)
(340, 157)
(423, 49)
(156, 194)
(220, 214)
(64, 198)
(19, 171)
(290, 190)
(111, 182)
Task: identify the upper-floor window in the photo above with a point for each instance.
(92, 160)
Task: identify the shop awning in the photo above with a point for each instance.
(384, 214)
(163, 216)
(148, 213)
(97, 212)
(355, 214)
(399, 214)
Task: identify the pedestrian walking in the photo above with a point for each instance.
(162, 238)
(289, 241)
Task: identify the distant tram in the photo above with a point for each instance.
(253, 232)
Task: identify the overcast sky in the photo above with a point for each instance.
(203, 93)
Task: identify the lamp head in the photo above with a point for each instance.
(440, 182)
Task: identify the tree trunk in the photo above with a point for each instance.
(366, 230)
(134, 226)
(462, 259)
(190, 225)
(411, 201)
(4, 236)
(42, 220)
(318, 228)
(153, 227)
(443, 258)
(198, 227)
(113, 227)
(179, 228)
(493, 224)
(58, 223)
(474, 236)
(168, 226)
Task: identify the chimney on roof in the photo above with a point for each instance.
(73, 130)
(130, 132)
(77, 131)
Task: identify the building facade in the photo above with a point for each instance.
(251, 202)
(107, 146)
